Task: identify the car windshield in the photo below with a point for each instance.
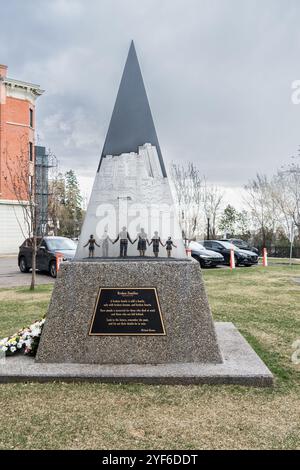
(201, 246)
(229, 246)
(239, 242)
(61, 244)
(197, 245)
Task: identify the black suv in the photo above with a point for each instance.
(47, 249)
(242, 244)
(241, 257)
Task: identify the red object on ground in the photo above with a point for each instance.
(265, 257)
(59, 259)
(232, 260)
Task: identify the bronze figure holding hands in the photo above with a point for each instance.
(123, 237)
(91, 242)
(155, 241)
(169, 244)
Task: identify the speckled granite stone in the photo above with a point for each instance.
(190, 333)
(241, 366)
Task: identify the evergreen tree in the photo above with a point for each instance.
(73, 209)
(234, 223)
(65, 212)
(228, 220)
(242, 228)
(56, 204)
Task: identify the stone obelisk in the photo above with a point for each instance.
(131, 187)
(134, 297)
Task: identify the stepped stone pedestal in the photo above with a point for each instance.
(187, 332)
(181, 346)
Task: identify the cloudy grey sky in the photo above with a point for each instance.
(218, 75)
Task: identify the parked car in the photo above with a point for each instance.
(241, 257)
(242, 244)
(206, 258)
(47, 248)
(246, 249)
(253, 256)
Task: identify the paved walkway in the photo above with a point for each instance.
(11, 276)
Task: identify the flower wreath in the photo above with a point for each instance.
(26, 341)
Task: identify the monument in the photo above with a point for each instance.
(131, 187)
(132, 306)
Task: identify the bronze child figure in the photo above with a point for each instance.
(91, 242)
(169, 244)
(155, 241)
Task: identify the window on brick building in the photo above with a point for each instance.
(31, 151)
(31, 117)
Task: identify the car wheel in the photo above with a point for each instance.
(52, 269)
(197, 259)
(23, 265)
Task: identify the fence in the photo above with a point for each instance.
(281, 251)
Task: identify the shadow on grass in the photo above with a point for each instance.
(37, 290)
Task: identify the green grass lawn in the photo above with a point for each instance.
(264, 303)
(284, 261)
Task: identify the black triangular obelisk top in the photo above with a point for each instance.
(131, 124)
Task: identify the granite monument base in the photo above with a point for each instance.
(240, 366)
(129, 311)
(136, 321)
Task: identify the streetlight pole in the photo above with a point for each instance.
(291, 242)
(208, 227)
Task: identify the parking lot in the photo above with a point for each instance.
(10, 275)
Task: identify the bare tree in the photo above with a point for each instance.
(261, 202)
(189, 193)
(287, 191)
(213, 198)
(20, 177)
(285, 202)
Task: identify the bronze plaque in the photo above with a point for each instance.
(127, 311)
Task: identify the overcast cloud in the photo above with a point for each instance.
(218, 75)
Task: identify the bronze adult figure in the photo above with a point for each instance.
(155, 242)
(105, 239)
(142, 242)
(123, 237)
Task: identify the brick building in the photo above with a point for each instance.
(17, 151)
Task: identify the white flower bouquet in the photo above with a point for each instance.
(26, 341)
